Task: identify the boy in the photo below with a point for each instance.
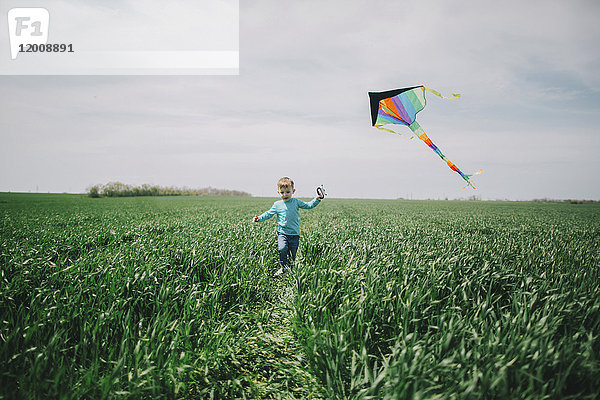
(288, 223)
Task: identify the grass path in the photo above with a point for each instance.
(284, 372)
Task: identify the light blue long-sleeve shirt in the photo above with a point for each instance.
(288, 220)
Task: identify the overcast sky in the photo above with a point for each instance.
(528, 73)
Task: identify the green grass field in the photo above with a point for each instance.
(171, 297)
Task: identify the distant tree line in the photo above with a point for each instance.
(572, 201)
(118, 189)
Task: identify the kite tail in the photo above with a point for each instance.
(418, 131)
(454, 95)
(378, 126)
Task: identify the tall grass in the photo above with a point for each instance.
(126, 297)
(427, 300)
(172, 298)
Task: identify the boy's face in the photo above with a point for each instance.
(286, 193)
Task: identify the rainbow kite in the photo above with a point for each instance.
(400, 106)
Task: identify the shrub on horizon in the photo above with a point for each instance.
(118, 189)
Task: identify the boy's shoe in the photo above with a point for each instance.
(279, 272)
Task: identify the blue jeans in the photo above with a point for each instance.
(287, 245)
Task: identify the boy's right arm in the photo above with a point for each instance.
(266, 215)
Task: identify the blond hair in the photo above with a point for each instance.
(285, 182)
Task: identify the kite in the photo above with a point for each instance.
(400, 106)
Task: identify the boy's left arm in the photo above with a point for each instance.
(315, 202)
